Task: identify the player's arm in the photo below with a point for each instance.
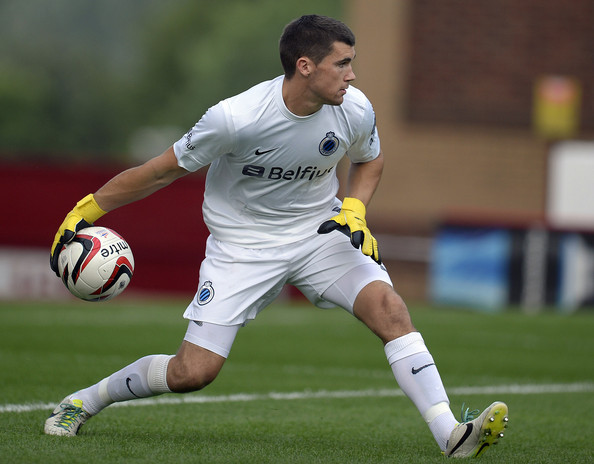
(128, 186)
(139, 182)
(362, 183)
(364, 179)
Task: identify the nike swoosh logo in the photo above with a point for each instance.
(258, 152)
(128, 380)
(416, 371)
(463, 439)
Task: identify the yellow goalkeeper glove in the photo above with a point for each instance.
(351, 222)
(84, 214)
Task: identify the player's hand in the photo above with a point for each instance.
(351, 222)
(84, 214)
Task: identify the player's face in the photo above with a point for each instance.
(330, 78)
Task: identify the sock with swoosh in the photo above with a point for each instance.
(143, 378)
(418, 377)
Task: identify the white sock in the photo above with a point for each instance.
(418, 377)
(441, 427)
(143, 378)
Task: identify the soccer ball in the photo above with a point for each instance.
(97, 264)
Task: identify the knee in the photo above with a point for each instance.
(380, 300)
(394, 310)
(383, 311)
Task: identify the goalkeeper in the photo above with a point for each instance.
(271, 208)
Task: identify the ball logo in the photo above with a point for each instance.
(329, 144)
(205, 293)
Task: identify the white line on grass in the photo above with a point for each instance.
(529, 389)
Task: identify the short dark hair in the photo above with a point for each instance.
(311, 36)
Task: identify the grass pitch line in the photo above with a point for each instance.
(529, 389)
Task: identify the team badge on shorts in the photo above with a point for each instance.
(205, 293)
(329, 144)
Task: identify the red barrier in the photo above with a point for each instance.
(165, 230)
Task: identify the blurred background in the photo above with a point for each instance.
(485, 112)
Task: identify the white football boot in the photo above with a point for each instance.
(472, 437)
(67, 418)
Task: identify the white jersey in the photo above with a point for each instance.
(272, 179)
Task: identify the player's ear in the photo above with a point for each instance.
(304, 66)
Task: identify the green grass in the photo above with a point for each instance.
(48, 350)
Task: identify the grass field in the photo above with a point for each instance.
(302, 385)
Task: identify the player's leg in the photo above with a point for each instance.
(201, 356)
(380, 308)
(331, 272)
(192, 368)
(385, 313)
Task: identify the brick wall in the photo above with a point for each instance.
(476, 61)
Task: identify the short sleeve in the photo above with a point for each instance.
(366, 146)
(211, 137)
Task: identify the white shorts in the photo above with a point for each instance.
(237, 283)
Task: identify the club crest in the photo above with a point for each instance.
(329, 144)
(205, 293)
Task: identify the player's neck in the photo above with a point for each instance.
(298, 99)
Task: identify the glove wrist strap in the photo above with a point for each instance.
(88, 209)
(354, 204)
